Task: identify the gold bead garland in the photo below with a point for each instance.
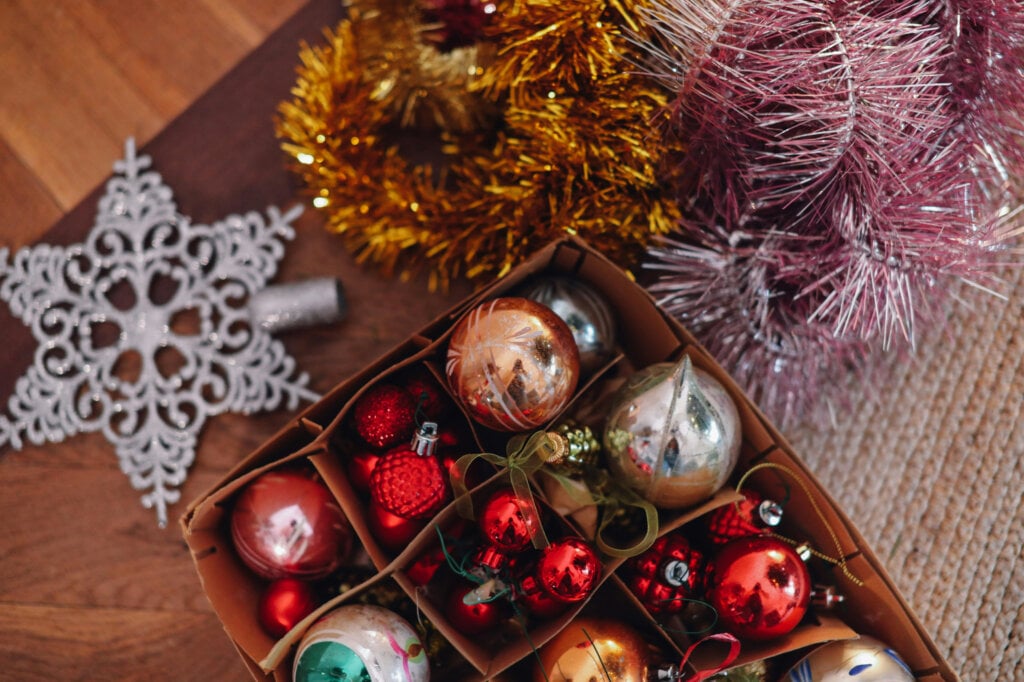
(543, 128)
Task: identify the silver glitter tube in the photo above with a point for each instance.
(296, 305)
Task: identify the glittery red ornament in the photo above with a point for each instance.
(287, 524)
(667, 574)
(385, 416)
(284, 603)
(568, 569)
(408, 484)
(472, 618)
(391, 531)
(507, 521)
(360, 467)
(760, 587)
(753, 515)
(537, 601)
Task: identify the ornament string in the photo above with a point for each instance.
(840, 559)
(732, 655)
(524, 456)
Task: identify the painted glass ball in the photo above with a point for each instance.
(512, 363)
(364, 643)
(864, 659)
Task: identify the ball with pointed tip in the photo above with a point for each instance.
(361, 642)
(512, 363)
(673, 434)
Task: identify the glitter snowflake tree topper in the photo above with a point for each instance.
(144, 330)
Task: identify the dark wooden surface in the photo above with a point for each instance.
(90, 587)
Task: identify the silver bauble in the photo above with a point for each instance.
(673, 434)
(585, 311)
(865, 659)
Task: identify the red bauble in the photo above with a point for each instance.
(424, 567)
(284, 603)
(537, 601)
(667, 574)
(431, 401)
(287, 524)
(360, 467)
(760, 587)
(507, 521)
(568, 569)
(385, 416)
(472, 619)
(391, 531)
(753, 515)
(408, 484)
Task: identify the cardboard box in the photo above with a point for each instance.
(646, 336)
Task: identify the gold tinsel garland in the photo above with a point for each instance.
(541, 129)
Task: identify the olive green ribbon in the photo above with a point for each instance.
(528, 455)
(524, 456)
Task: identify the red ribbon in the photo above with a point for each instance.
(734, 652)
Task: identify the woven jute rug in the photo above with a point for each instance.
(928, 461)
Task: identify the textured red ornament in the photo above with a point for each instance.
(667, 574)
(472, 619)
(760, 587)
(287, 524)
(385, 416)
(507, 521)
(568, 569)
(284, 603)
(360, 467)
(408, 484)
(753, 515)
(392, 532)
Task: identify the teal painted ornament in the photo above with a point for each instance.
(361, 643)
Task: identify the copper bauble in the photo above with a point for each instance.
(864, 659)
(594, 649)
(512, 363)
(288, 524)
(760, 587)
(673, 434)
(584, 310)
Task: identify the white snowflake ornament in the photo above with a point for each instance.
(144, 332)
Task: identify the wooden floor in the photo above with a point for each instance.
(90, 588)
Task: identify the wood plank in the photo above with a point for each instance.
(43, 643)
(27, 205)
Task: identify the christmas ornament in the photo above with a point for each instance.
(598, 649)
(470, 616)
(759, 586)
(91, 304)
(566, 143)
(288, 524)
(408, 481)
(359, 468)
(461, 21)
(751, 672)
(284, 603)
(584, 310)
(384, 416)
(507, 521)
(673, 434)
(753, 515)
(831, 195)
(432, 403)
(393, 532)
(568, 569)
(512, 363)
(361, 642)
(531, 596)
(864, 658)
(667, 574)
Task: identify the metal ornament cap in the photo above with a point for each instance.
(865, 659)
(673, 434)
